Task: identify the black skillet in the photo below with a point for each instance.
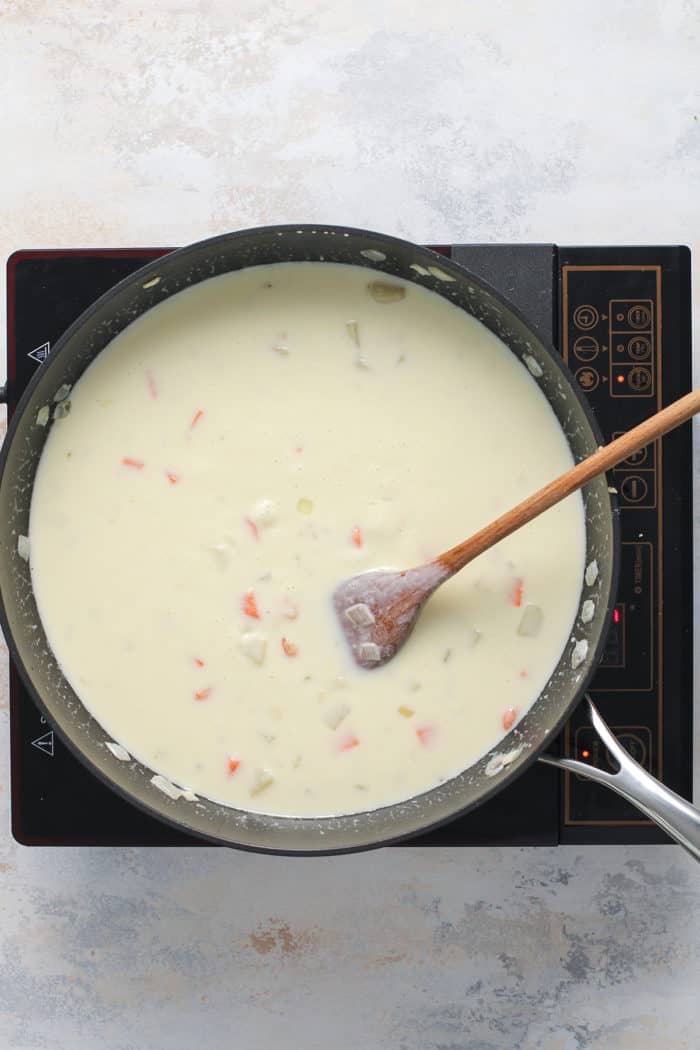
(83, 735)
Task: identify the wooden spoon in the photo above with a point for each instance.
(378, 609)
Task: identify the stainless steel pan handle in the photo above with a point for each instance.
(674, 814)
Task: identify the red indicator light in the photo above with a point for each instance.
(616, 615)
(620, 379)
(585, 754)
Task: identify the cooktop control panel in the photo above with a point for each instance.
(619, 335)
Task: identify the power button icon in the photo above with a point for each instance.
(634, 488)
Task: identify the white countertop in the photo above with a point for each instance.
(137, 124)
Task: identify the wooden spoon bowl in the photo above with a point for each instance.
(377, 610)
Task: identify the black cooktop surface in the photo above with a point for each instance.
(620, 316)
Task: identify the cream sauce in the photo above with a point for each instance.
(234, 454)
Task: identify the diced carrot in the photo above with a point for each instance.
(250, 606)
(152, 387)
(524, 673)
(202, 694)
(299, 449)
(172, 478)
(348, 742)
(515, 596)
(424, 734)
(233, 764)
(199, 663)
(356, 536)
(135, 464)
(290, 649)
(253, 528)
(196, 418)
(508, 717)
(290, 609)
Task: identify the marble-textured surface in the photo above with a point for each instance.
(161, 123)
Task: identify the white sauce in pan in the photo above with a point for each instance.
(232, 456)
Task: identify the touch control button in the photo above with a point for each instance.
(588, 379)
(639, 316)
(633, 743)
(637, 458)
(639, 379)
(639, 348)
(586, 348)
(586, 316)
(634, 488)
(636, 740)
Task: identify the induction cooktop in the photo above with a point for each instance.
(620, 317)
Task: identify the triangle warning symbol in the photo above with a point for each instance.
(40, 353)
(45, 743)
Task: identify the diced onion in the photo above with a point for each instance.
(369, 652)
(335, 715)
(494, 766)
(361, 615)
(353, 331)
(373, 255)
(23, 547)
(221, 553)
(118, 751)
(531, 621)
(473, 637)
(62, 392)
(166, 787)
(262, 780)
(533, 366)
(171, 790)
(264, 512)
(254, 645)
(42, 416)
(441, 275)
(499, 762)
(591, 574)
(61, 410)
(579, 653)
(386, 293)
(587, 611)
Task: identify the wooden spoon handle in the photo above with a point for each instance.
(606, 457)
